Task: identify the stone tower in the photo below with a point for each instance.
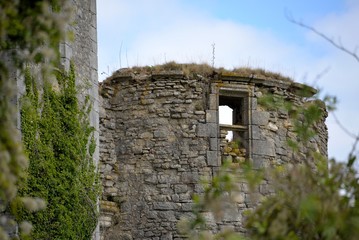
(160, 134)
(82, 51)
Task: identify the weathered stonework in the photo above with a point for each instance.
(82, 51)
(160, 135)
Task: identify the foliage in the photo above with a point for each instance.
(217, 199)
(312, 200)
(34, 28)
(61, 171)
(30, 32)
(216, 193)
(309, 204)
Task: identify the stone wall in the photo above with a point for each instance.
(82, 51)
(160, 135)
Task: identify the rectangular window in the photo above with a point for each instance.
(234, 125)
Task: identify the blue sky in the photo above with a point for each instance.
(252, 33)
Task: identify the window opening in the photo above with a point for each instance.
(226, 117)
(233, 120)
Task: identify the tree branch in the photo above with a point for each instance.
(350, 134)
(338, 44)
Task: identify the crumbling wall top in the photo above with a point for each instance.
(245, 75)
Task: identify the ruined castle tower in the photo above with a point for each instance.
(160, 134)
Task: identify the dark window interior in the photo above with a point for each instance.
(237, 105)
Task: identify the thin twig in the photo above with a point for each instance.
(320, 75)
(120, 55)
(350, 134)
(338, 44)
(354, 146)
(213, 53)
(127, 59)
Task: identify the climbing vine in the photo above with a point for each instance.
(56, 137)
(30, 34)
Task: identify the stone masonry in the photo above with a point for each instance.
(160, 135)
(82, 51)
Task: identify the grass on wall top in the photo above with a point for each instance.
(204, 69)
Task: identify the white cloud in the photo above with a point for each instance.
(174, 32)
(343, 78)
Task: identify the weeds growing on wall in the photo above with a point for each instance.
(56, 137)
(204, 69)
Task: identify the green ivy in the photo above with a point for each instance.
(58, 138)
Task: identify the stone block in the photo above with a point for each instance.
(281, 151)
(260, 118)
(151, 178)
(212, 158)
(175, 197)
(166, 236)
(184, 115)
(231, 214)
(164, 206)
(264, 147)
(146, 135)
(254, 103)
(256, 132)
(187, 207)
(213, 101)
(160, 133)
(258, 161)
(170, 177)
(202, 130)
(167, 215)
(190, 177)
(199, 112)
(253, 199)
(180, 188)
(108, 206)
(239, 197)
(213, 130)
(213, 144)
(211, 116)
(271, 126)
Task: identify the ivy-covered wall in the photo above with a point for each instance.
(56, 133)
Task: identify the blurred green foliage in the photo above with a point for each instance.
(56, 134)
(30, 34)
(316, 199)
